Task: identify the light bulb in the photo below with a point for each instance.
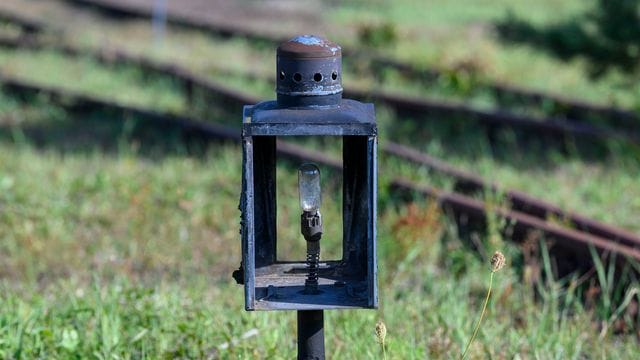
(309, 187)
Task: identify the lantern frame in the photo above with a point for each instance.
(350, 282)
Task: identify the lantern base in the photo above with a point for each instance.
(281, 286)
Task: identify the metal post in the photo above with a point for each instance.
(310, 335)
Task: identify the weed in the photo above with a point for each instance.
(125, 252)
(497, 263)
(381, 336)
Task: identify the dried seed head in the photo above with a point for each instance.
(497, 261)
(381, 331)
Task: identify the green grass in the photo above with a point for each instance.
(599, 185)
(120, 256)
(539, 170)
(118, 240)
(8, 29)
(412, 13)
(453, 36)
(574, 184)
(126, 84)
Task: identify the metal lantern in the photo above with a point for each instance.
(309, 103)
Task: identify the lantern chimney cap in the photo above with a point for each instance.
(308, 72)
(309, 47)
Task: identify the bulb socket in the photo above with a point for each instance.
(311, 225)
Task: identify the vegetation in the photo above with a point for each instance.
(118, 239)
(608, 36)
(132, 258)
(497, 263)
(461, 38)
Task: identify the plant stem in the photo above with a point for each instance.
(484, 309)
(384, 352)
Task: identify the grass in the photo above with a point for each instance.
(566, 174)
(453, 15)
(497, 263)
(118, 241)
(453, 37)
(460, 35)
(457, 141)
(135, 274)
(84, 75)
(118, 254)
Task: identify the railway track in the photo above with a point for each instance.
(565, 108)
(570, 245)
(418, 108)
(529, 214)
(28, 24)
(468, 183)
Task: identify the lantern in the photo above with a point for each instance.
(309, 103)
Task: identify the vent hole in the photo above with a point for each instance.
(297, 77)
(334, 75)
(317, 77)
(281, 75)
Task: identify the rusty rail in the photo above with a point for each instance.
(83, 101)
(123, 9)
(191, 126)
(573, 239)
(519, 201)
(230, 96)
(401, 104)
(572, 108)
(26, 23)
(495, 118)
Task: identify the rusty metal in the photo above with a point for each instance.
(28, 24)
(567, 108)
(236, 98)
(575, 240)
(422, 108)
(308, 72)
(192, 126)
(309, 103)
(117, 56)
(309, 47)
(309, 108)
(124, 9)
(74, 101)
(518, 200)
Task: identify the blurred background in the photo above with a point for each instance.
(120, 175)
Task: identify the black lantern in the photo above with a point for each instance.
(309, 103)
